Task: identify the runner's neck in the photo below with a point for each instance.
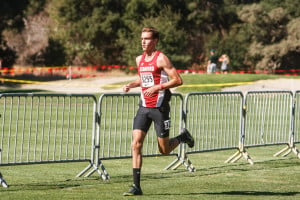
(149, 56)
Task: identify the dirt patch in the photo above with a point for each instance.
(83, 85)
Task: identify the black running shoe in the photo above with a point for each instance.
(134, 190)
(188, 138)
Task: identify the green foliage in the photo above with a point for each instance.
(217, 26)
(255, 34)
(11, 13)
(54, 54)
(271, 41)
(87, 30)
(266, 27)
(8, 56)
(35, 6)
(172, 43)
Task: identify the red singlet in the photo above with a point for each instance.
(151, 75)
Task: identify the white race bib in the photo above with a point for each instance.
(147, 79)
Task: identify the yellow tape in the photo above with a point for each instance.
(22, 81)
(216, 84)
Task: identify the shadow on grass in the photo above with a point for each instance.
(248, 193)
(40, 186)
(69, 183)
(231, 193)
(209, 171)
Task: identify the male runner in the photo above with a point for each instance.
(154, 70)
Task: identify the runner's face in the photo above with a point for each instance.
(148, 43)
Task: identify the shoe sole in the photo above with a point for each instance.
(130, 194)
(133, 192)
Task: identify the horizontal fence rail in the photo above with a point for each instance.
(214, 119)
(268, 117)
(117, 112)
(38, 128)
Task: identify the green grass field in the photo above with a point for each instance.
(269, 178)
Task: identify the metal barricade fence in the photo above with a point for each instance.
(44, 128)
(114, 130)
(116, 121)
(268, 117)
(297, 118)
(214, 119)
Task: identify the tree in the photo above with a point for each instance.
(271, 40)
(173, 38)
(255, 34)
(11, 14)
(215, 24)
(87, 30)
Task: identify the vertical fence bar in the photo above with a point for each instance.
(297, 118)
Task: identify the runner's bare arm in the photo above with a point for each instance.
(135, 83)
(175, 79)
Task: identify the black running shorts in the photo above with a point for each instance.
(160, 117)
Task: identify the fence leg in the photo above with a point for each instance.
(85, 170)
(3, 182)
(239, 154)
(181, 159)
(95, 168)
(103, 173)
(288, 149)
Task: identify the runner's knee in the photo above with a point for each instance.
(136, 146)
